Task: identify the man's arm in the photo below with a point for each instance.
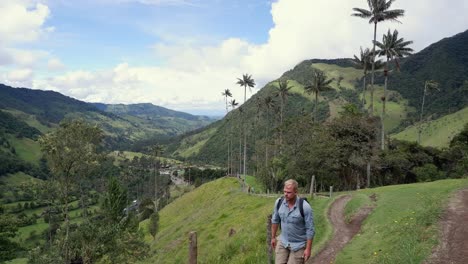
(308, 249)
(274, 229)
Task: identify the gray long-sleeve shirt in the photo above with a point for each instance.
(295, 230)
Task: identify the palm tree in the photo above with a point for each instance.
(364, 62)
(233, 104)
(428, 86)
(246, 81)
(318, 84)
(227, 93)
(392, 48)
(378, 12)
(156, 151)
(282, 91)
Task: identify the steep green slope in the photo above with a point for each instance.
(437, 133)
(260, 122)
(402, 228)
(445, 62)
(212, 210)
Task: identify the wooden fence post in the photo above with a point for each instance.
(312, 184)
(270, 250)
(193, 248)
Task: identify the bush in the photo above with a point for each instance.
(427, 172)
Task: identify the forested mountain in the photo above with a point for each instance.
(26, 114)
(446, 62)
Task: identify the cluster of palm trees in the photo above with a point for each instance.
(392, 47)
(245, 81)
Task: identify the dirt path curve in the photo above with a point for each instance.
(453, 247)
(343, 232)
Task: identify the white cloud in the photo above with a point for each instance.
(22, 21)
(194, 75)
(55, 64)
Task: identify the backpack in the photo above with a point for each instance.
(301, 205)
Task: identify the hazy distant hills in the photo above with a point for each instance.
(445, 62)
(124, 124)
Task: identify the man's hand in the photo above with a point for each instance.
(273, 242)
(306, 254)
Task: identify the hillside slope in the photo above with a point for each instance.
(438, 132)
(445, 61)
(213, 210)
(402, 228)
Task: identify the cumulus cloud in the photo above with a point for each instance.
(193, 76)
(22, 21)
(55, 64)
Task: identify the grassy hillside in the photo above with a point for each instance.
(439, 132)
(212, 210)
(401, 229)
(403, 226)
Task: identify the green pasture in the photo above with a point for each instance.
(437, 133)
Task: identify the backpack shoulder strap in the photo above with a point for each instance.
(301, 205)
(278, 205)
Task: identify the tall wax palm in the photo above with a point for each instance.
(429, 85)
(227, 93)
(245, 81)
(319, 84)
(282, 91)
(364, 62)
(392, 48)
(156, 151)
(378, 12)
(269, 104)
(232, 104)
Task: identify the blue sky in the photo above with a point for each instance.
(181, 54)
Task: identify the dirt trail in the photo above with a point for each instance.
(453, 247)
(343, 232)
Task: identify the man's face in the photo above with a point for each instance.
(289, 193)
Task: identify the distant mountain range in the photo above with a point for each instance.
(124, 124)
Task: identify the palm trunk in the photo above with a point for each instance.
(421, 116)
(371, 106)
(364, 91)
(316, 106)
(245, 135)
(383, 105)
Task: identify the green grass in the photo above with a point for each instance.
(31, 120)
(403, 226)
(253, 183)
(395, 111)
(212, 210)
(349, 74)
(191, 145)
(27, 149)
(439, 132)
(358, 201)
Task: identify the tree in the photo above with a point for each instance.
(392, 48)
(115, 201)
(8, 229)
(317, 85)
(227, 93)
(364, 62)
(153, 224)
(71, 152)
(245, 82)
(429, 85)
(378, 12)
(282, 92)
(156, 151)
(233, 104)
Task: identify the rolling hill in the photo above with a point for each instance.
(444, 61)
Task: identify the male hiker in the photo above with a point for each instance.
(295, 217)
